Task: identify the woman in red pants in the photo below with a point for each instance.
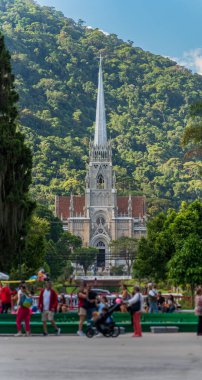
(136, 307)
(23, 313)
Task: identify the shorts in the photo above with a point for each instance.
(82, 311)
(47, 316)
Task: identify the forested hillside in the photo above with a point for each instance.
(55, 61)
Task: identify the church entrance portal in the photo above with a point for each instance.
(101, 255)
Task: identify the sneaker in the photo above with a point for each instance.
(58, 331)
(98, 335)
(80, 333)
(18, 334)
(45, 334)
(27, 333)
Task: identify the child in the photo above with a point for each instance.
(95, 316)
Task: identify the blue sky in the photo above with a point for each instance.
(171, 28)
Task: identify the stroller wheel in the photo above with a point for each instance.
(115, 331)
(90, 332)
(107, 333)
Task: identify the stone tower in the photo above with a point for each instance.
(100, 193)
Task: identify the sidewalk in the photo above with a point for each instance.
(153, 357)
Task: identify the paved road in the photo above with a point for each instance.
(158, 356)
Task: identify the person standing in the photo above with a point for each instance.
(82, 296)
(160, 301)
(136, 307)
(5, 299)
(23, 312)
(152, 298)
(198, 310)
(0, 296)
(90, 302)
(48, 302)
(125, 297)
(125, 293)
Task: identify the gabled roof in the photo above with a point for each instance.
(62, 204)
(138, 205)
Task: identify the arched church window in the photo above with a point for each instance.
(100, 181)
(100, 220)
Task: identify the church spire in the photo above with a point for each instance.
(100, 138)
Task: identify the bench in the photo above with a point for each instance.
(164, 329)
(68, 322)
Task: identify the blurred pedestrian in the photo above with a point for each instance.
(198, 310)
(160, 301)
(23, 311)
(48, 302)
(91, 302)
(62, 305)
(1, 286)
(136, 307)
(125, 297)
(82, 296)
(152, 298)
(5, 299)
(171, 304)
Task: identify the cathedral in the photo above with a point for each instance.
(101, 215)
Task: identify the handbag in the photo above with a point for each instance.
(135, 306)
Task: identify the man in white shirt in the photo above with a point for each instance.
(48, 301)
(152, 298)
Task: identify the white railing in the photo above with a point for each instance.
(107, 277)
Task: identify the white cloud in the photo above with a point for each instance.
(106, 33)
(191, 59)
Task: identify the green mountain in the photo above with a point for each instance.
(55, 61)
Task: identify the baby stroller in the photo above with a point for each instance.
(104, 325)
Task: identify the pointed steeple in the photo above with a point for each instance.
(100, 138)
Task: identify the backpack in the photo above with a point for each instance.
(26, 301)
(153, 298)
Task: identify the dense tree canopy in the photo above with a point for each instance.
(192, 136)
(15, 168)
(147, 102)
(185, 267)
(155, 251)
(46, 245)
(173, 247)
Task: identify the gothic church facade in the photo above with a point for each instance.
(101, 215)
